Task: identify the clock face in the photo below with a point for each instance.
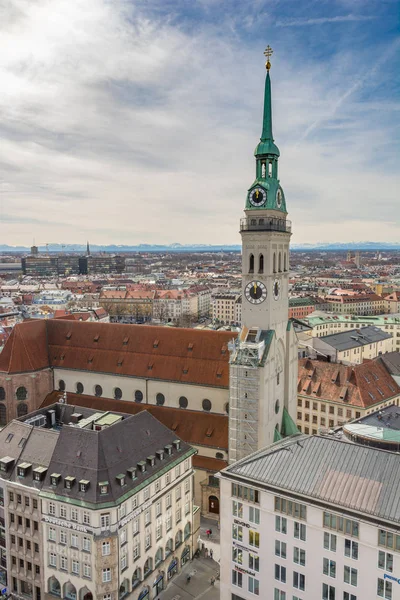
(255, 292)
(279, 196)
(277, 289)
(258, 196)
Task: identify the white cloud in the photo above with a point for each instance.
(124, 129)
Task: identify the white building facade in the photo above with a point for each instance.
(288, 545)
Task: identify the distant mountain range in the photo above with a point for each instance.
(115, 249)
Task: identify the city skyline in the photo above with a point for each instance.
(135, 123)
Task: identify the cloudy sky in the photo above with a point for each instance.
(135, 121)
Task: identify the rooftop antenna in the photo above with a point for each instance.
(63, 398)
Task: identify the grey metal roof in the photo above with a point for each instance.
(391, 361)
(341, 474)
(355, 338)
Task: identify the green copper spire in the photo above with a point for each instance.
(266, 145)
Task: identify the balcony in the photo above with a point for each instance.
(265, 224)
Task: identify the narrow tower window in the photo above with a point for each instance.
(261, 264)
(284, 262)
(280, 262)
(270, 169)
(263, 170)
(251, 263)
(274, 263)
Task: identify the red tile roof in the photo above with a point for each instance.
(202, 429)
(360, 385)
(170, 354)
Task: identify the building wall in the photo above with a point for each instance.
(315, 532)
(195, 394)
(318, 413)
(354, 356)
(37, 385)
(343, 323)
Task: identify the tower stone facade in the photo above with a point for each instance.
(263, 361)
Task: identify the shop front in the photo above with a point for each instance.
(172, 569)
(185, 557)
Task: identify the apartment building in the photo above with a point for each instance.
(330, 394)
(321, 324)
(392, 302)
(354, 346)
(226, 308)
(96, 505)
(311, 517)
(356, 304)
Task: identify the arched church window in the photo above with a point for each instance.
(206, 404)
(98, 390)
(61, 385)
(117, 393)
(277, 406)
(251, 263)
(183, 402)
(2, 393)
(253, 222)
(21, 393)
(280, 262)
(160, 399)
(274, 263)
(261, 263)
(138, 396)
(261, 221)
(79, 388)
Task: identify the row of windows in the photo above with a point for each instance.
(287, 507)
(26, 545)
(21, 393)
(253, 583)
(19, 521)
(384, 590)
(332, 409)
(22, 409)
(23, 500)
(138, 395)
(274, 265)
(73, 566)
(246, 493)
(253, 513)
(22, 564)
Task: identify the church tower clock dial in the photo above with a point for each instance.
(263, 359)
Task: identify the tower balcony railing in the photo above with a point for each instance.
(265, 224)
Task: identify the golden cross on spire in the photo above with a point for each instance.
(268, 53)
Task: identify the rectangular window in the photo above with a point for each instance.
(105, 520)
(300, 531)
(87, 571)
(254, 515)
(237, 555)
(350, 575)
(299, 556)
(385, 561)
(254, 538)
(63, 536)
(86, 544)
(281, 524)
(74, 540)
(146, 493)
(74, 514)
(63, 563)
(106, 575)
(280, 548)
(237, 532)
(280, 595)
(147, 540)
(52, 509)
(389, 540)
(237, 509)
(254, 562)
(105, 548)
(329, 567)
(351, 549)
(280, 573)
(75, 567)
(53, 559)
(254, 586)
(136, 550)
(330, 541)
(135, 526)
(52, 534)
(347, 526)
(348, 596)
(86, 517)
(63, 512)
(237, 578)
(299, 581)
(328, 592)
(385, 589)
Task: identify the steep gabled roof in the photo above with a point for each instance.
(171, 354)
(26, 348)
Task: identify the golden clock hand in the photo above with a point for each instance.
(255, 288)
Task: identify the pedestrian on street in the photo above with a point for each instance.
(208, 533)
(212, 581)
(211, 554)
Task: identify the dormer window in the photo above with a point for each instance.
(69, 482)
(190, 347)
(39, 473)
(121, 479)
(125, 341)
(155, 343)
(103, 487)
(83, 485)
(151, 460)
(69, 335)
(177, 444)
(55, 478)
(142, 466)
(23, 469)
(6, 463)
(168, 449)
(160, 454)
(131, 472)
(96, 338)
(120, 362)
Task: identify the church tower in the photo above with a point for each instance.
(263, 361)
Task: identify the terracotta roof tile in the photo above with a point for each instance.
(359, 385)
(208, 463)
